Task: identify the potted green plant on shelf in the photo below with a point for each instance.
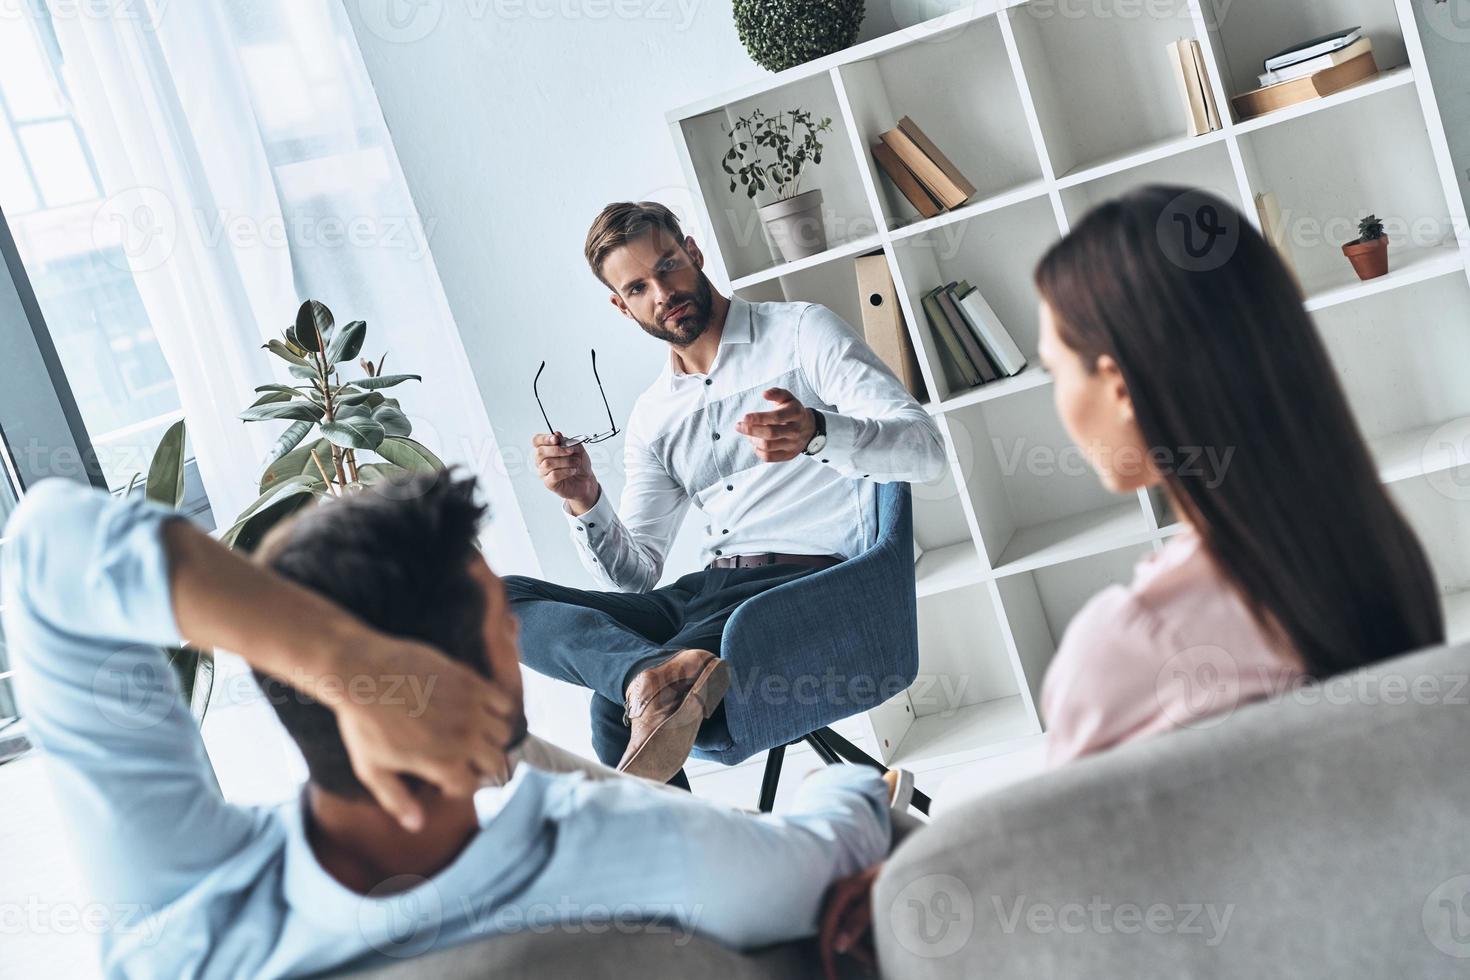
(344, 434)
(780, 34)
(1369, 251)
(771, 152)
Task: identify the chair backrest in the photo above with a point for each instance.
(1320, 835)
(824, 647)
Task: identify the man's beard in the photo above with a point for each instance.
(695, 321)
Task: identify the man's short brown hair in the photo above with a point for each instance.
(623, 222)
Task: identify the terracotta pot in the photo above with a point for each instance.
(1370, 258)
(796, 226)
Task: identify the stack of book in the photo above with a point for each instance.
(1200, 108)
(974, 346)
(1309, 71)
(923, 174)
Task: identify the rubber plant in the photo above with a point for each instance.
(772, 150)
(164, 485)
(344, 434)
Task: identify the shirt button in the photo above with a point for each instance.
(729, 486)
(865, 476)
(717, 437)
(709, 381)
(591, 524)
(718, 551)
(825, 461)
(726, 531)
(581, 528)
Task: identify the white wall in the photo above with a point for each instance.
(516, 121)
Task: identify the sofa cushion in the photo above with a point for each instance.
(1321, 834)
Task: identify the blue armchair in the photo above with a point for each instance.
(820, 649)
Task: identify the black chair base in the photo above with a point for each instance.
(832, 749)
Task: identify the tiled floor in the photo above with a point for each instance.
(42, 901)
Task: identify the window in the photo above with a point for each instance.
(50, 193)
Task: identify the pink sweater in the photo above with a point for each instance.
(1175, 648)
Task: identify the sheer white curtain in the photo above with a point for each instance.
(248, 167)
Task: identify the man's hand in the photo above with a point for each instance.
(782, 433)
(847, 919)
(406, 709)
(566, 471)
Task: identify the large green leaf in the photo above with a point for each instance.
(298, 462)
(279, 348)
(266, 513)
(299, 411)
(313, 325)
(354, 433)
(166, 473)
(306, 372)
(409, 454)
(386, 380)
(346, 342)
(272, 398)
(346, 395)
(288, 486)
(288, 441)
(393, 421)
(370, 473)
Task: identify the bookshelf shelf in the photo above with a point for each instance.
(1385, 81)
(951, 567)
(859, 246)
(972, 732)
(1034, 376)
(1028, 191)
(1422, 450)
(1050, 109)
(1407, 267)
(1077, 536)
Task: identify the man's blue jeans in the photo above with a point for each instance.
(602, 640)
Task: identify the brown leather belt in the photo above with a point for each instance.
(760, 561)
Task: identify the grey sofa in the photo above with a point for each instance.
(1323, 835)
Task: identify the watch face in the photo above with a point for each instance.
(816, 445)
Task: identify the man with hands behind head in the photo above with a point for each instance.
(775, 420)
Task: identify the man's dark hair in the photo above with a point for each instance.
(397, 556)
(622, 222)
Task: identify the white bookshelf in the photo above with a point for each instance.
(1050, 109)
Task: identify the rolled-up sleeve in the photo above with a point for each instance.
(877, 431)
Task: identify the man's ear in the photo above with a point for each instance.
(694, 253)
(617, 301)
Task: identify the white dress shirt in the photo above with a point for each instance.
(682, 446)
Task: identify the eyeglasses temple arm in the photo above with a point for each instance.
(611, 421)
(535, 390)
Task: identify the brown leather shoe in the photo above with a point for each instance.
(665, 706)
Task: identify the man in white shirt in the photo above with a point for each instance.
(775, 420)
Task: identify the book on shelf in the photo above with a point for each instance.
(1315, 48)
(950, 304)
(1200, 109)
(903, 178)
(1260, 101)
(883, 326)
(941, 179)
(1273, 227)
(992, 334)
(959, 373)
(1313, 65)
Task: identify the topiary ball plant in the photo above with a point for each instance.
(780, 34)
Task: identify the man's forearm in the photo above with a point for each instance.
(223, 600)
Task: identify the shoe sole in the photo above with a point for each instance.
(667, 747)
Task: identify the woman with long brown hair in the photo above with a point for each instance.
(1174, 334)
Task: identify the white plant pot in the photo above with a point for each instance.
(796, 225)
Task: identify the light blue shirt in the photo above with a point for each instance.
(196, 887)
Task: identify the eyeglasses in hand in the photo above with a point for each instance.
(612, 425)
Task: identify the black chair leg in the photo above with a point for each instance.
(772, 777)
(822, 749)
(841, 747)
